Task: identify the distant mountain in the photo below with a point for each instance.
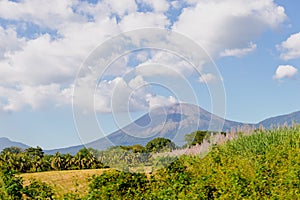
(287, 119)
(172, 122)
(5, 142)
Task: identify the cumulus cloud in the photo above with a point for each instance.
(119, 95)
(163, 63)
(122, 7)
(207, 78)
(9, 41)
(52, 14)
(35, 97)
(143, 20)
(239, 52)
(290, 48)
(39, 69)
(285, 71)
(229, 24)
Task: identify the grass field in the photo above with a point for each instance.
(71, 181)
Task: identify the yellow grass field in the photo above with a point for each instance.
(70, 181)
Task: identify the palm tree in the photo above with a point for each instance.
(57, 161)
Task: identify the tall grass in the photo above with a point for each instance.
(258, 165)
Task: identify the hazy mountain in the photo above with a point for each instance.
(5, 142)
(288, 119)
(172, 122)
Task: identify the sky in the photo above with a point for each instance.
(47, 47)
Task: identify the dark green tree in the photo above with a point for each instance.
(160, 144)
(36, 155)
(196, 137)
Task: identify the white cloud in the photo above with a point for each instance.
(239, 52)
(118, 95)
(290, 48)
(9, 41)
(137, 82)
(176, 4)
(285, 71)
(228, 24)
(143, 20)
(54, 14)
(165, 64)
(40, 70)
(34, 96)
(159, 101)
(122, 7)
(207, 78)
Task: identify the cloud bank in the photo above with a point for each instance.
(42, 43)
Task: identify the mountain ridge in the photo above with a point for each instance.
(6, 142)
(119, 138)
(180, 119)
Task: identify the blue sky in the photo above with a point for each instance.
(255, 45)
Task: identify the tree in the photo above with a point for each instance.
(69, 161)
(57, 162)
(159, 144)
(137, 148)
(14, 150)
(196, 137)
(36, 155)
(85, 159)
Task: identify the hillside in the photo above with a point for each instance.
(287, 119)
(5, 142)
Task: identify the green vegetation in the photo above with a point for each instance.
(136, 158)
(34, 160)
(260, 165)
(196, 137)
(11, 187)
(160, 144)
(264, 165)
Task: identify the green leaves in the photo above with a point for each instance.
(264, 165)
(160, 144)
(11, 187)
(38, 190)
(118, 185)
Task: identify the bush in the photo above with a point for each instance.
(38, 190)
(118, 185)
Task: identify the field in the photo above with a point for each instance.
(63, 182)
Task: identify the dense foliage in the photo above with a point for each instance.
(135, 157)
(263, 165)
(260, 165)
(34, 160)
(12, 188)
(160, 144)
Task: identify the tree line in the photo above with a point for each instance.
(35, 160)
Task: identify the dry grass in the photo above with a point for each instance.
(71, 181)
